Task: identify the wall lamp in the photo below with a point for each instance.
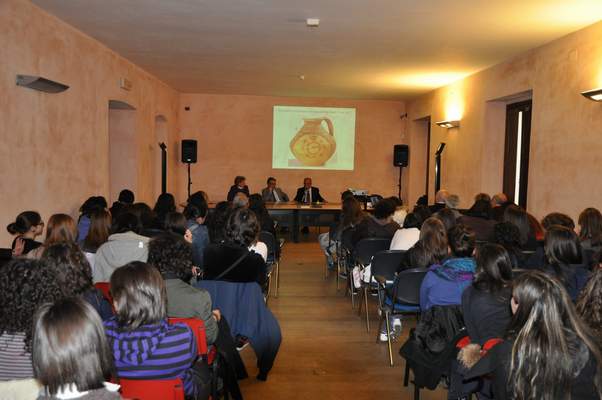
(449, 124)
(594, 94)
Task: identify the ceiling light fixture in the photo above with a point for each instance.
(312, 22)
(449, 124)
(594, 94)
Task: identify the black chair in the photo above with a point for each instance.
(363, 253)
(273, 260)
(5, 256)
(402, 298)
(344, 261)
(385, 266)
(332, 231)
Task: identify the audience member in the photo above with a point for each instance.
(517, 216)
(74, 275)
(197, 198)
(123, 246)
(440, 198)
(172, 256)
(231, 260)
(27, 226)
(564, 260)
(406, 237)
(499, 202)
(61, 228)
(266, 222)
(196, 213)
(400, 210)
(124, 201)
(548, 352)
(98, 234)
(508, 236)
(444, 283)
(240, 200)
(240, 186)
(590, 229)
(165, 204)
(273, 194)
(558, 219)
(144, 345)
(432, 246)
(377, 225)
(83, 223)
(71, 356)
(177, 224)
(422, 212)
(216, 222)
(482, 197)
(452, 202)
(146, 219)
(478, 219)
(308, 193)
(24, 286)
(589, 304)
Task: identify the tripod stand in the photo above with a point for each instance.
(189, 180)
(399, 184)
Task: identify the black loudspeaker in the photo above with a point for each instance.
(401, 153)
(189, 151)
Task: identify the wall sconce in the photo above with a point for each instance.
(449, 124)
(41, 84)
(594, 94)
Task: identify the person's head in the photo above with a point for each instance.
(257, 204)
(24, 286)
(432, 227)
(126, 196)
(422, 212)
(196, 212)
(557, 218)
(240, 200)
(175, 222)
(420, 256)
(440, 196)
(216, 222)
(448, 217)
(198, 198)
(462, 241)
(71, 267)
(482, 196)
(100, 228)
(271, 183)
(561, 246)
(165, 204)
(93, 203)
(452, 201)
(544, 327)
(422, 200)
(171, 255)
(396, 201)
(589, 304)
(126, 222)
(507, 235)
(499, 199)
(307, 183)
(434, 238)
(242, 227)
(60, 228)
(28, 222)
(494, 268)
(590, 225)
(411, 221)
(139, 295)
(70, 347)
(351, 211)
(144, 213)
(240, 181)
(345, 194)
(384, 209)
(481, 209)
(519, 218)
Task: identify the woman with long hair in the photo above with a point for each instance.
(216, 222)
(195, 213)
(27, 226)
(590, 229)
(165, 204)
(548, 352)
(100, 229)
(519, 218)
(22, 291)
(60, 228)
(71, 356)
(564, 260)
(257, 205)
(432, 246)
(589, 305)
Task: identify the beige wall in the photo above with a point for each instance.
(234, 136)
(54, 147)
(566, 141)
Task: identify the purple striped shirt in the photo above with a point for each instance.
(153, 352)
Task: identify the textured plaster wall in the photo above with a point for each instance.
(566, 141)
(234, 136)
(54, 148)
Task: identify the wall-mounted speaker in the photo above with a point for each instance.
(189, 151)
(41, 84)
(401, 154)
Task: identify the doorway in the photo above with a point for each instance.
(123, 154)
(516, 151)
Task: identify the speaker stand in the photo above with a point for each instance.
(163, 167)
(399, 184)
(189, 180)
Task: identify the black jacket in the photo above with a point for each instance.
(234, 189)
(486, 315)
(315, 195)
(219, 257)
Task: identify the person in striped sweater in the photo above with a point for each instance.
(144, 345)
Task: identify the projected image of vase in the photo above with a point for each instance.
(313, 145)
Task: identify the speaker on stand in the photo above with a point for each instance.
(401, 155)
(189, 153)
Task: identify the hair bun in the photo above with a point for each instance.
(12, 228)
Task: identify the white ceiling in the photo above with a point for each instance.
(364, 49)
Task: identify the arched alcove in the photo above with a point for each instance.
(123, 154)
(161, 136)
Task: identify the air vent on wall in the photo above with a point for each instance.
(41, 84)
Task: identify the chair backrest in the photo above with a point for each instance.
(367, 248)
(270, 241)
(5, 256)
(198, 328)
(385, 264)
(407, 286)
(167, 389)
(105, 288)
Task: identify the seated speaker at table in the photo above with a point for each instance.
(272, 193)
(308, 193)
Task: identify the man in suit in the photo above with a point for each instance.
(240, 186)
(308, 194)
(273, 194)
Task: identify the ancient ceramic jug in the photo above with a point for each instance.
(313, 145)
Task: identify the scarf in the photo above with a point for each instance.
(456, 269)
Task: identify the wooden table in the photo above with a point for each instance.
(297, 212)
